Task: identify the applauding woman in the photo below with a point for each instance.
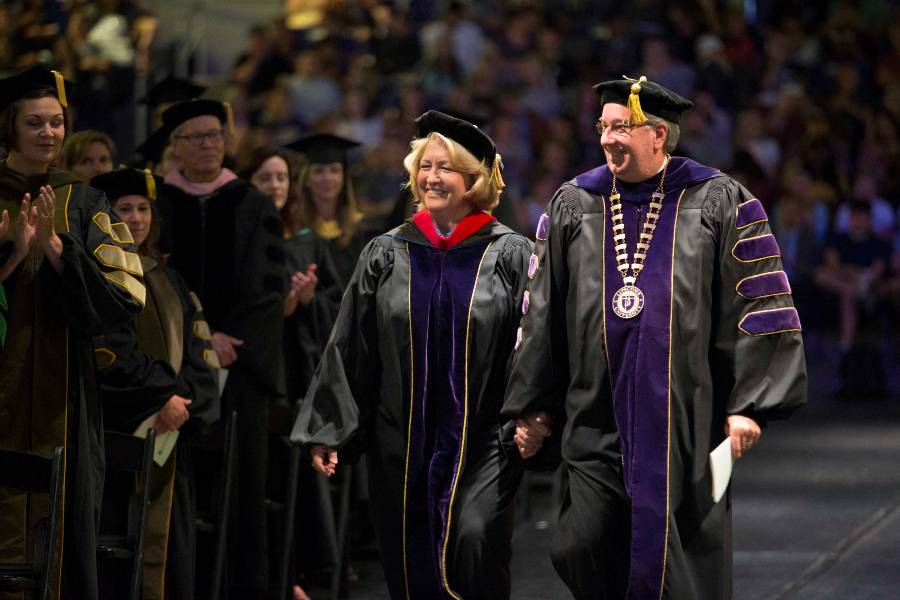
(415, 370)
(68, 276)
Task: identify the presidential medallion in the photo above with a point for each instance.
(628, 302)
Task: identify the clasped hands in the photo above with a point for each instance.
(33, 224)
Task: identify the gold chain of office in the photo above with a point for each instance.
(628, 301)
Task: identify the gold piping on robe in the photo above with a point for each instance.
(104, 357)
(130, 284)
(119, 232)
(115, 257)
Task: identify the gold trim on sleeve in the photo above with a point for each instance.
(201, 330)
(211, 358)
(738, 214)
(757, 312)
(104, 357)
(737, 288)
(116, 258)
(739, 242)
(130, 284)
(119, 232)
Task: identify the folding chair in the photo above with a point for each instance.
(32, 473)
(125, 452)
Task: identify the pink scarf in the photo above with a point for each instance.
(200, 189)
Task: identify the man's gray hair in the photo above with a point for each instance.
(672, 134)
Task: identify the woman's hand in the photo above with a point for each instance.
(530, 433)
(324, 459)
(303, 289)
(224, 346)
(743, 431)
(173, 415)
(46, 237)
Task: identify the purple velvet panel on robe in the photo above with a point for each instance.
(756, 248)
(764, 285)
(750, 212)
(774, 320)
(440, 295)
(638, 355)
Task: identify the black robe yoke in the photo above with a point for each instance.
(165, 350)
(413, 376)
(48, 391)
(640, 403)
(229, 249)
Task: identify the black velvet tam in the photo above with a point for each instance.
(655, 99)
(462, 132)
(36, 78)
(127, 182)
(323, 148)
(177, 114)
(172, 89)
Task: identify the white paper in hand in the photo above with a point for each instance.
(720, 464)
(163, 445)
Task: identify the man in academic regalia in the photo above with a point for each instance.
(224, 237)
(659, 322)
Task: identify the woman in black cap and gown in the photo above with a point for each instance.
(415, 370)
(160, 363)
(68, 276)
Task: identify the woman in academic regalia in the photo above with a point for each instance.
(327, 204)
(70, 276)
(160, 363)
(415, 370)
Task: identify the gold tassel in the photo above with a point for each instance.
(634, 101)
(60, 88)
(496, 174)
(151, 184)
(229, 118)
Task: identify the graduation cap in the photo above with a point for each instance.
(178, 113)
(323, 148)
(172, 89)
(127, 182)
(642, 96)
(36, 78)
(153, 147)
(465, 134)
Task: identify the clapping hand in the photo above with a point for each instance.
(22, 231)
(45, 208)
(303, 289)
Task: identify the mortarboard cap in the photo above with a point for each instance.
(171, 89)
(462, 132)
(153, 147)
(127, 182)
(177, 114)
(36, 78)
(642, 96)
(323, 148)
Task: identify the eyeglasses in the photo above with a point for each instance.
(196, 139)
(621, 128)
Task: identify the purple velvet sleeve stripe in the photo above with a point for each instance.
(764, 285)
(756, 248)
(750, 213)
(543, 227)
(767, 322)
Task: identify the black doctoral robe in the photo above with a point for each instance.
(413, 376)
(229, 249)
(164, 350)
(639, 403)
(48, 390)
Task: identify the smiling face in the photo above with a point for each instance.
(441, 188)
(273, 179)
(40, 127)
(95, 160)
(325, 182)
(635, 154)
(135, 212)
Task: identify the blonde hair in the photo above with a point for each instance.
(484, 191)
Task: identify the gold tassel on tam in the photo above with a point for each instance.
(60, 88)
(229, 118)
(634, 101)
(151, 185)
(496, 174)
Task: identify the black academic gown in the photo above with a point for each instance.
(413, 376)
(639, 403)
(48, 392)
(165, 350)
(229, 249)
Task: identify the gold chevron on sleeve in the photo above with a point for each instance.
(211, 359)
(119, 232)
(116, 258)
(201, 330)
(131, 284)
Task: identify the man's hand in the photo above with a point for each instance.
(530, 433)
(224, 346)
(173, 415)
(324, 459)
(744, 432)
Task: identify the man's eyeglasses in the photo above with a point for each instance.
(196, 139)
(621, 128)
